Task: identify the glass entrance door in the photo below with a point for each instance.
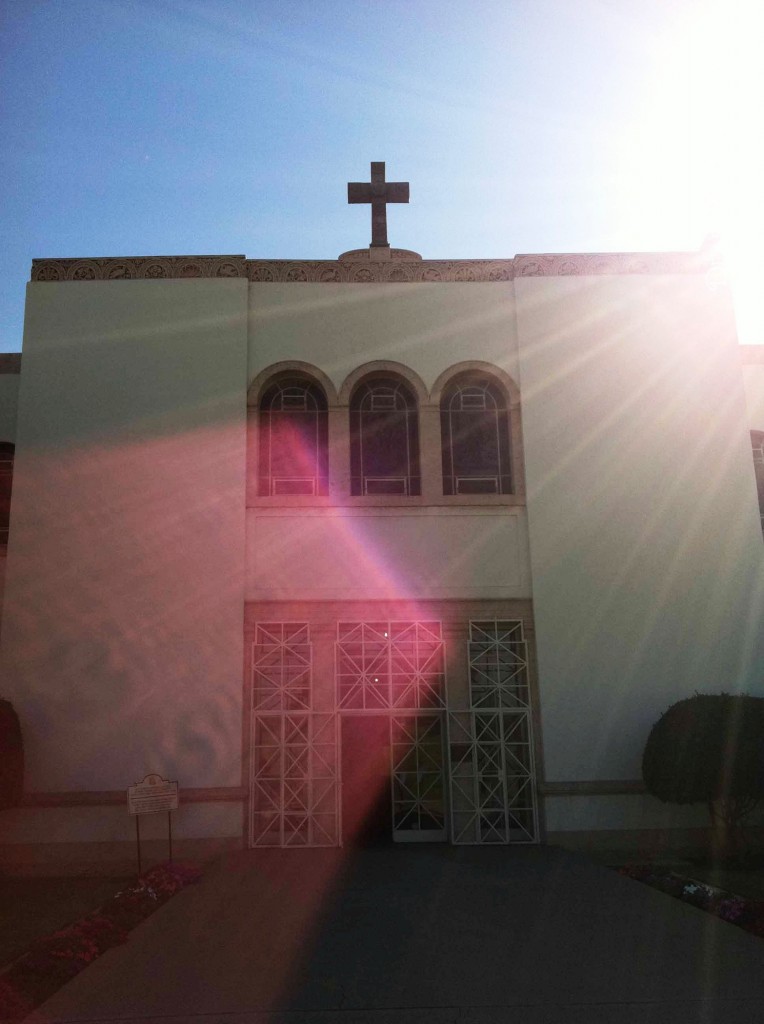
(417, 778)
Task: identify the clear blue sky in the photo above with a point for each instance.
(134, 127)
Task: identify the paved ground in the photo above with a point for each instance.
(422, 935)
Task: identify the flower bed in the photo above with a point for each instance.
(54, 960)
(747, 914)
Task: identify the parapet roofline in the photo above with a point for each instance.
(401, 266)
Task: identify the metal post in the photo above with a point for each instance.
(138, 839)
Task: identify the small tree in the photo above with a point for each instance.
(11, 756)
(710, 749)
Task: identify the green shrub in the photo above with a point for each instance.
(709, 749)
(11, 756)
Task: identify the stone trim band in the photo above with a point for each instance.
(602, 787)
(113, 797)
(235, 794)
(345, 271)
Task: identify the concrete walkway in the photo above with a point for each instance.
(422, 935)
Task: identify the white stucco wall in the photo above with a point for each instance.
(9, 397)
(385, 553)
(646, 547)
(339, 327)
(632, 811)
(374, 554)
(122, 633)
(112, 824)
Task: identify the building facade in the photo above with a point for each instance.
(372, 547)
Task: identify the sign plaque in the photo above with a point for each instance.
(153, 795)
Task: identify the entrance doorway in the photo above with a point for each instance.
(393, 783)
(388, 751)
(367, 815)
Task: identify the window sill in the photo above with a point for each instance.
(389, 501)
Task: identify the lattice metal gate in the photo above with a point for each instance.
(398, 669)
(294, 780)
(382, 666)
(476, 762)
(493, 796)
(419, 789)
(294, 769)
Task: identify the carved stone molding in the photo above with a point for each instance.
(138, 268)
(594, 264)
(363, 270)
(403, 267)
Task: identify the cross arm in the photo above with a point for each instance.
(359, 192)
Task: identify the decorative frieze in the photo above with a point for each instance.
(594, 264)
(402, 267)
(112, 268)
(394, 270)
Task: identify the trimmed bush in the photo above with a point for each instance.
(11, 757)
(709, 749)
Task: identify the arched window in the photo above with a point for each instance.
(7, 452)
(474, 422)
(384, 439)
(293, 439)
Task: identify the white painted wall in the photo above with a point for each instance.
(339, 327)
(371, 554)
(9, 397)
(633, 811)
(122, 634)
(122, 641)
(646, 547)
(374, 554)
(112, 824)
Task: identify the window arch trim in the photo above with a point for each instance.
(289, 368)
(384, 368)
(478, 368)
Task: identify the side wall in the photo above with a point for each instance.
(122, 640)
(646, 549)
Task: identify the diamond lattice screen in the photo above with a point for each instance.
(383, 665)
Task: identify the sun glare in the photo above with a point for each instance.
(727, 153)
(692, 161)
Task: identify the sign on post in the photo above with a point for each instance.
(152, 796)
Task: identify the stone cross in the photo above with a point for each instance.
(378, 192)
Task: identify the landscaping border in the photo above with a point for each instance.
(52, 961)
(745, 913)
